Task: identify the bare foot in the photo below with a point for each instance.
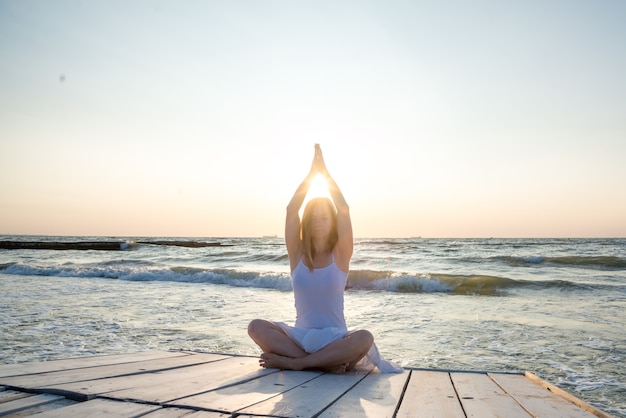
(341, 369)
(274, 361)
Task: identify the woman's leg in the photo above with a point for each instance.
(337, 357)
(272, 339)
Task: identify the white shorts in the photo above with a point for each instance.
(312, 340)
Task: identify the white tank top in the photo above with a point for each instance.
(319, 296)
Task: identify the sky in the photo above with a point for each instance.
(199, 118)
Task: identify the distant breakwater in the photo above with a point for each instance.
(101, 245)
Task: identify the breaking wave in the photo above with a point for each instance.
(358, 280)
(595, 262)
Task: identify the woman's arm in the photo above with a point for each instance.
(345, 243)
(292, 220)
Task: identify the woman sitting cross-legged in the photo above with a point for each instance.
(319, 249)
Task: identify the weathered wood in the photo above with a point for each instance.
(49, 406)
(90, 388)
(236, 397)
(430, 395)
(567, 396)
(207, 414)
(535, 399)
(481, 397)
(177, 383)
(186, 413)
(214, 385)
(308, 399)
(99, 372)
(21, 404)
(10, 395)
(378, 395)
(100, 408)
(19, 369)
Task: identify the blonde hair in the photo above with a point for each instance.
(308, 249)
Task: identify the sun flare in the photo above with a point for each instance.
(319, 188)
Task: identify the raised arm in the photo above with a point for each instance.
(345, 243)
(292, 220)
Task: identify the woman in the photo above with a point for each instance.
(319, 250)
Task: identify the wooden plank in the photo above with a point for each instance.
(377, 395)
(567, 396)
(186, 413)
(99, 372)
(236, 397)
(430, 394)
(207, 414)
(307, 399)
(481, 397)
(100, 408)
(236, 384)
(19, 369)
(538, 401)
(61, 403)
(10, 395)
(90, 389)
(174, 384)
(22, 404)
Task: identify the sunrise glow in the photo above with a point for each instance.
(200, 118)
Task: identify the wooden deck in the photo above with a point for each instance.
(175, 384)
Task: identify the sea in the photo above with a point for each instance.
(554, 307)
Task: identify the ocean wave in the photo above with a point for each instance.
(429, 283)
(458, 284)
(380, 242)
(369, 280)
(142, 273)
(595, 262)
